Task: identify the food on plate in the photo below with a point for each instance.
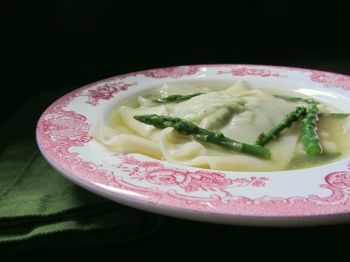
(215, 137)
(227, 127)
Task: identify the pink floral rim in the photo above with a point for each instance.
(59, 129)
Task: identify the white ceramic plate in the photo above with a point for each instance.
(312, 196)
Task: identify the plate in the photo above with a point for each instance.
(312, 196)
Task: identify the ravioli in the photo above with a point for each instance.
(239, 111)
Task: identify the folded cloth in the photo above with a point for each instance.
(39, 206)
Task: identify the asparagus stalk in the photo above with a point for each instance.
(309, 137)
(287, 121)
(174, 98)
(215, 137)
(297, 99)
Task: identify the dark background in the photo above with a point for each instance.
(66, 44)
(55, 46)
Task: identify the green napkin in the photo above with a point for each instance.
(38, 205)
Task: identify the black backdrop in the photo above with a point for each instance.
(59, 45)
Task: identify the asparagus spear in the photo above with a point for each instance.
(309, 137)
(174, 98)
(215, 137)
(287, 121)
(297, 99)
